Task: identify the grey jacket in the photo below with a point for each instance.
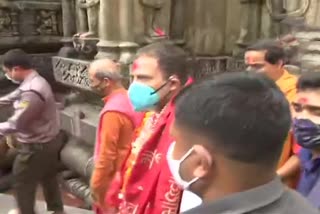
(271, 198)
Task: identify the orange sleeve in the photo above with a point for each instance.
(291, 95)
(105, 166)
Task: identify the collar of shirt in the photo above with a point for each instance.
(30, 76)
(119, 90)
(309, 164)
(247, 201)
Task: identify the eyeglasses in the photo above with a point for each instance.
(298, 107)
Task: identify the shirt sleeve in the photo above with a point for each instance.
(9, 98)
(28, 108)
(105, 166)
(291, 95)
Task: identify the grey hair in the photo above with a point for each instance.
(102, 74)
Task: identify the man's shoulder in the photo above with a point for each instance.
(287, 79)
(37, 83)
(293, 203)
(290, 202)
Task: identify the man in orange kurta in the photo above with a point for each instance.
(268, 57)
(115, 129)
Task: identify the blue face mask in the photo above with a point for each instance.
(143, 97)
(307, 133)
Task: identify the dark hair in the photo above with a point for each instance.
(308, 80)
(244, 115)
(17, 57)
(172, 59)
(274, 50)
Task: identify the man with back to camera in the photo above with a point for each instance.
(35, 123)
(229, 134)
(306, 127)
(268, 57)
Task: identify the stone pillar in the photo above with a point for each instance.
(178, 21)
(108, 20)
(126, 20)
(69, 28)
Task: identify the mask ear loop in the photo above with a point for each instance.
(182, 159)
(161, 87)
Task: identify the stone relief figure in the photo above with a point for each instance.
(5, 21)
(155, 25)
(255, 22)
(262, 18)
(47, 23)
(88, 17)
(84, 42)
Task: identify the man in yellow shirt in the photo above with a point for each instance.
(268, 57)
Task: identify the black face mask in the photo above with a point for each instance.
(307, 133)
(99, 88)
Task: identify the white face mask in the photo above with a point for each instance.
(12, 80)
(174, 166)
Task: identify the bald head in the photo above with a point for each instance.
(104, 76)
(105, 68)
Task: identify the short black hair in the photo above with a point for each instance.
(309, 80)
(172, 59)
(274, 50)
(244, 115)
(17, 57)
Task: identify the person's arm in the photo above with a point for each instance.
(9, 98)
(105, 165)
(290, 168)
(28, 109)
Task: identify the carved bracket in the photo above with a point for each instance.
(71, 72)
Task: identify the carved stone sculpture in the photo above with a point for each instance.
(256, 22)
(47, 23)
(8, 22)
(155, 24)
(88, 17)
(261, 18)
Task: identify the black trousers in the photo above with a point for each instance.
(37, 164)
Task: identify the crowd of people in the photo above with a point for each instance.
(241, 142)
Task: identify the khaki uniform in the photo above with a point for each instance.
(35, 124)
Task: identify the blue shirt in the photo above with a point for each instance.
(310, 175)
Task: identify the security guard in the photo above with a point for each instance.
(35, 124)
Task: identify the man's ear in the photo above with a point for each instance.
(175, 83)
(280, 63)
(107, 81)
(204, 163)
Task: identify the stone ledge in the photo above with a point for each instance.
(84, 128)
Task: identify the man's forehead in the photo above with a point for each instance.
(252, 57)
(144, 65)
(309, 97)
